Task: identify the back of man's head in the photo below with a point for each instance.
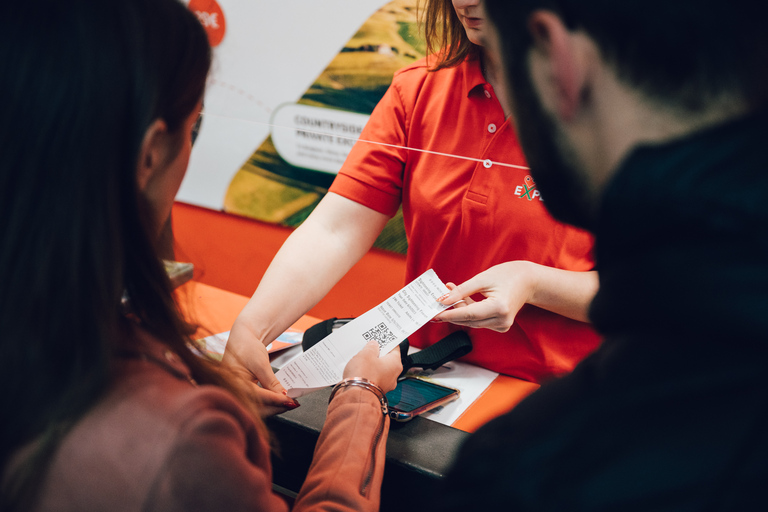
(682, 53)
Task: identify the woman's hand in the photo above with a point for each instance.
(382, 371)
(507, 287)
(248, 357)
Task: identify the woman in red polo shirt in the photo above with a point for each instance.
(469, 205)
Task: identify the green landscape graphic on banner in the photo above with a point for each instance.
(290, 172)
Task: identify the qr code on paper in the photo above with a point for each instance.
(380, 333)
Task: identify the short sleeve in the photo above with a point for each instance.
(372, 174)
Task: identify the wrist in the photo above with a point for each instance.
(250, 328)
(531, 276)
(362, 382)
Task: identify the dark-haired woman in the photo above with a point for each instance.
(105, 406)
(464, 215)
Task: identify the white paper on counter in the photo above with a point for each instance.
(215, 344)
(470, 380)
(389, 323)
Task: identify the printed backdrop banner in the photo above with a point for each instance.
(291, 87)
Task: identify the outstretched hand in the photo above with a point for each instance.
(506, 288)
(248, 357)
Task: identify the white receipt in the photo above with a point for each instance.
(389, 323)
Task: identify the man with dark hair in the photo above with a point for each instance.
(646, 123)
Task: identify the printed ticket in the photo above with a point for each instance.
(388, 324)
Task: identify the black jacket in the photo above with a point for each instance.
(671, 412)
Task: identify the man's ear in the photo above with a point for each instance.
(153, 153)
(558, 64)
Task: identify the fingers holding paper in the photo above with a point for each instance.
(382, 371)
(270, 402)
(507, 287)
(251, 360)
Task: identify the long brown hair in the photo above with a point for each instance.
(444, 34)
(80, 87)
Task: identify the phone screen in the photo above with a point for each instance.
(410, 394)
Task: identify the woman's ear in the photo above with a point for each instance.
(153, 154)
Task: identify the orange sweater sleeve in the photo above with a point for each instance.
(348, 465)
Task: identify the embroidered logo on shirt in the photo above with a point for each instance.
(528, 190)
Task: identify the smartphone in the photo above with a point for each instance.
(413, 396)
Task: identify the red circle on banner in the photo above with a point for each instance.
(212, 17)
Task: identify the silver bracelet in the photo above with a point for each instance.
(364, 383)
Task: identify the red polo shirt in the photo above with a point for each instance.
(463, 216)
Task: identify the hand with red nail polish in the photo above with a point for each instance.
(291, 404)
